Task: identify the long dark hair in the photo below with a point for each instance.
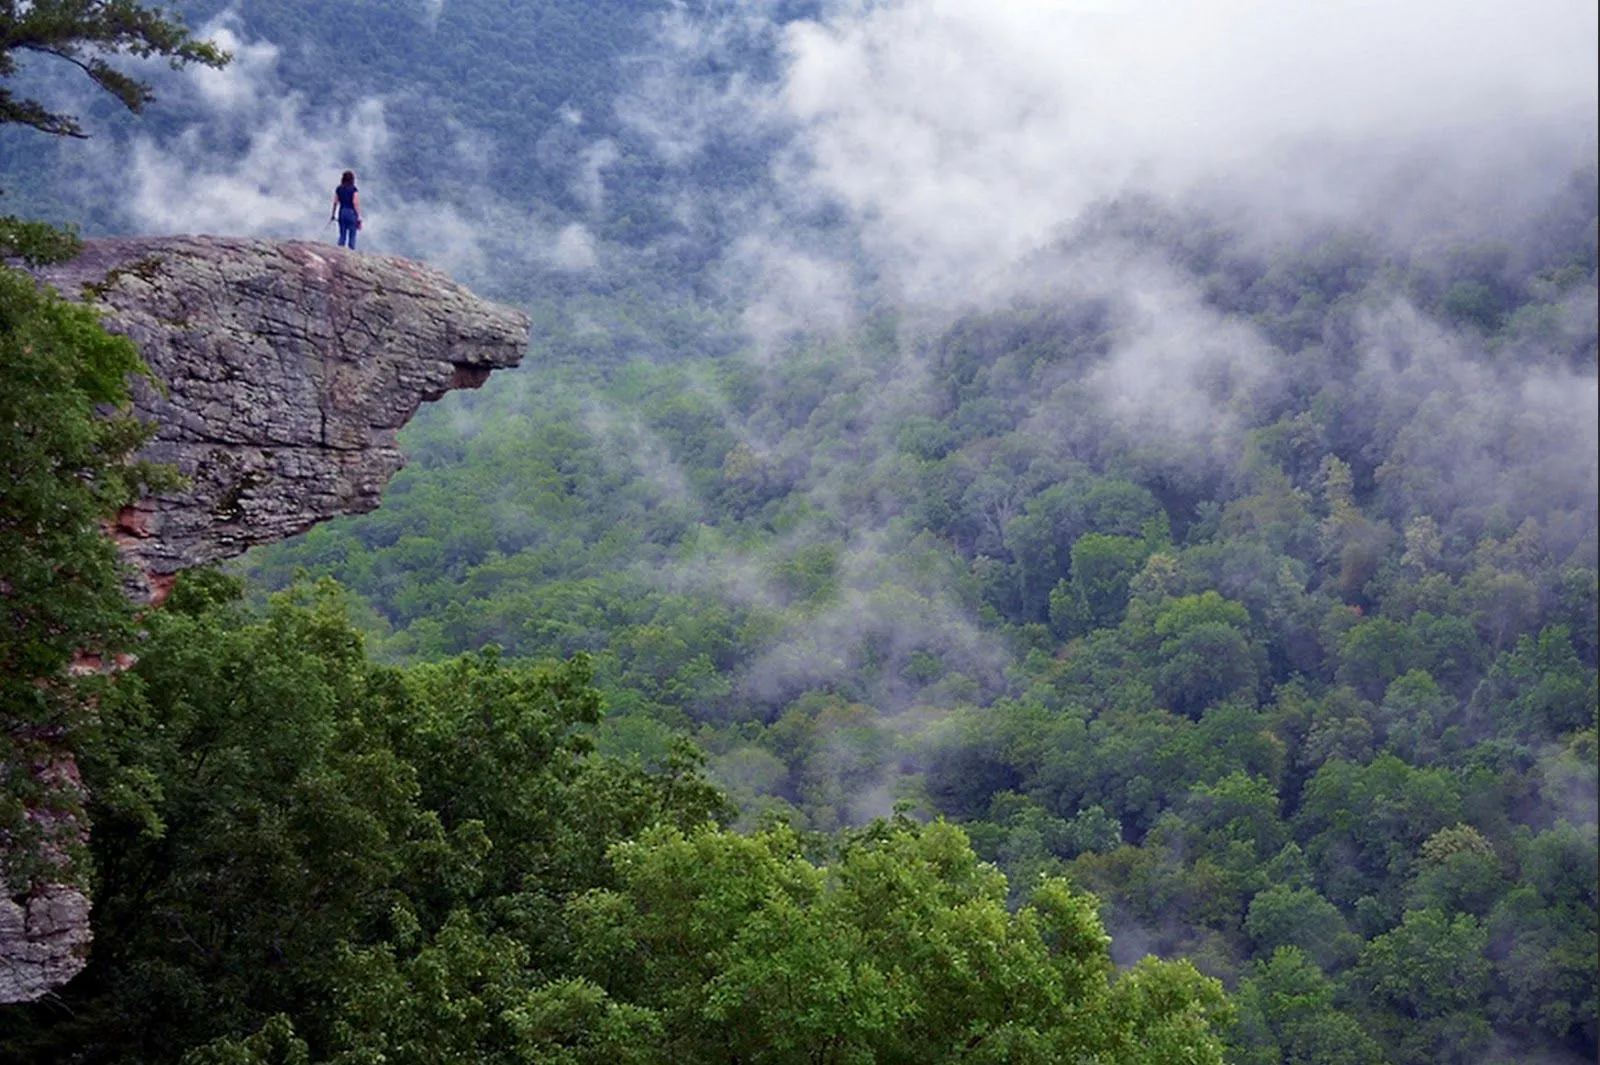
(349, 178)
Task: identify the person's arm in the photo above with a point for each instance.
(355, 202)
(334, 213)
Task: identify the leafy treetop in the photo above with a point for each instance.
(84, 33)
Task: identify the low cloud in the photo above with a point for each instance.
(1463, 436)
(632, 449)
(958, 137)
(943, 157)
(589, 185)
(674, 100)
(262, 161)
(963, 134)
(940, 157)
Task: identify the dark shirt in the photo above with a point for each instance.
(347, 196)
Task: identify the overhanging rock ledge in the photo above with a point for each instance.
(287, 368)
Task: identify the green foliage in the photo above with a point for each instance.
(1289, 1013)
(1433, 977)
(84, 33)
(64, 472)
(1102, 569)
(66, 437)
(1300, 918)
(1205, 657)
(1540, 688)
(302, 857)
(1543, 932)
(1374, 653)
(1362, 823)
(716, 947)
(900, 950)
(271, 808)
(1460, 874)
(36, 242)
(1295, 705)
(1245, 706)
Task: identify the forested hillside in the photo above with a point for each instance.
(1228, 553)
(1309, 703)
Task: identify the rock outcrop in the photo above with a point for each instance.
(44, 937)
(285, 371)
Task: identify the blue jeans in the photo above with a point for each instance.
(347, 228)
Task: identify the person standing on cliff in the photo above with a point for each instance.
(347, 209)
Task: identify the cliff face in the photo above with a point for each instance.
(286, 370)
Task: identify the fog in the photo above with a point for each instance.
(968, 146)
(929, 159)
(926, 162)
(966, 141)
(961, 135)
(955, 138)
(259, 158)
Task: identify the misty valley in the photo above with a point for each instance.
(1024, 533)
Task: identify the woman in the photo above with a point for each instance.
(347, 208)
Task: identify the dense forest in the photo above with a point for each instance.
(1307, 705)
(1190, 655)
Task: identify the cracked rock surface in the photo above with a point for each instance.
(286, 369)
(45, 937)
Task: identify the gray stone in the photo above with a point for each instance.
(285, 370)
(44, 940)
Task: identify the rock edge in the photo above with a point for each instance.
(285, 370)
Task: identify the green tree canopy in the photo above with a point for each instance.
(84, 33)
(267, 801)
(66, 437)
(901, 950)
